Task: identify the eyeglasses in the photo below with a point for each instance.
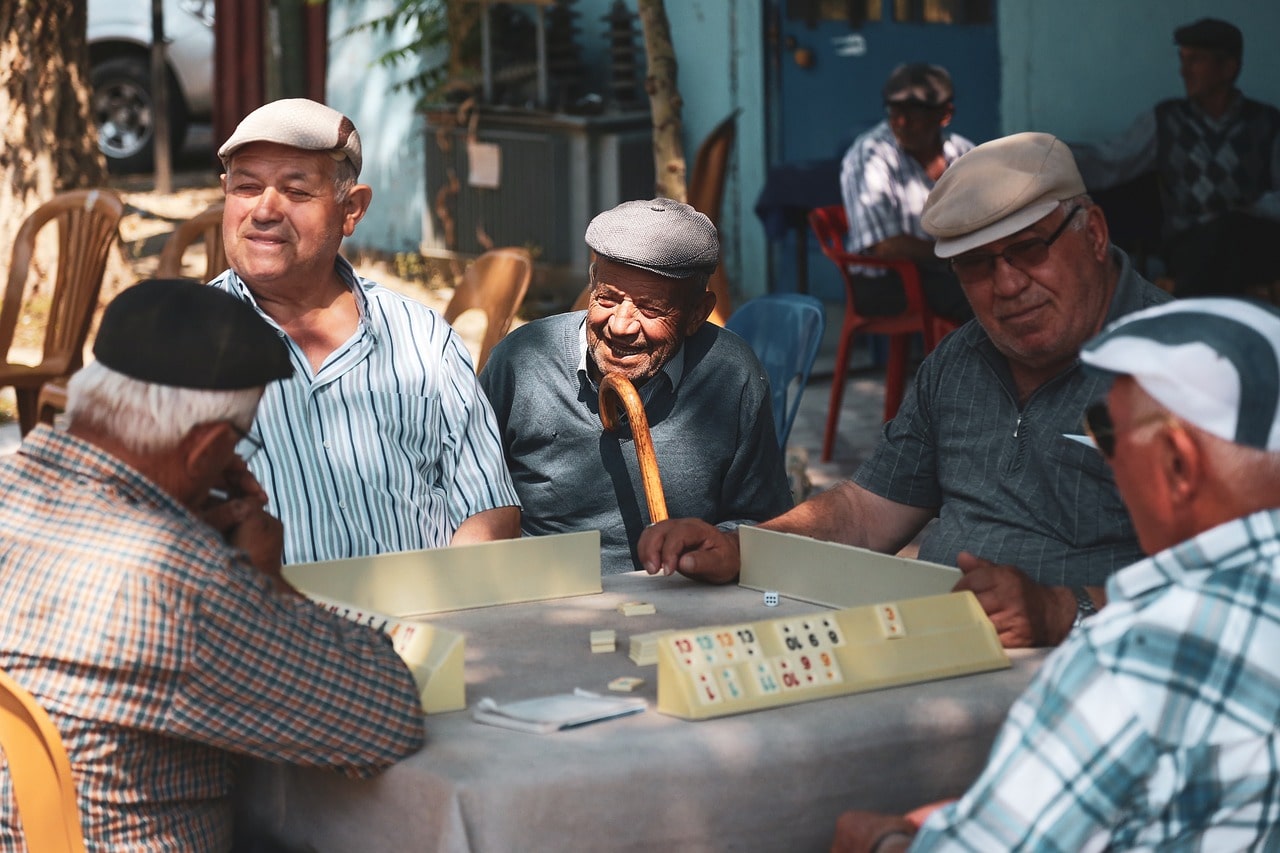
(255, 443)
(1023, 255)
(1099, 426)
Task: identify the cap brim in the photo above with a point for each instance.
(949, 247)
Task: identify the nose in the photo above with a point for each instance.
(623, 321)
(1006, 279)
(267, 208)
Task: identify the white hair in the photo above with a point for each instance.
(149, 418)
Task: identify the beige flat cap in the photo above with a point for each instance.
(298, 123)
(997, 189)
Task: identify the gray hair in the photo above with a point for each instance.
(1084, 202)
(344, 178)
(149, 418)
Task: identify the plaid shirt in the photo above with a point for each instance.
(1154, 726)
(159, 652)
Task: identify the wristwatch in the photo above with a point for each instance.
(1084, 606)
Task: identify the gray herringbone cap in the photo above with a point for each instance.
(660, 235)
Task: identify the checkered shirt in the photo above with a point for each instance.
(1154, 726)
(160, 655)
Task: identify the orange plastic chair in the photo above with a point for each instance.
(40, 772)
(206, 226)
(496, 284)
(88, 223)
(830, 225)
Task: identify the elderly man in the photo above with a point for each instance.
(150, 620)
(988, 442)
(1218, 157)
(382, 440)
(1154, 728)
(885, 178)
(705, 395)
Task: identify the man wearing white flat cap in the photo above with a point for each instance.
(381, 440)
(988, 441)
(1154, 727)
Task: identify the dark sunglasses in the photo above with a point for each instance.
(1024, 255)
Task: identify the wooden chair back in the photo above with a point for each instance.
(496, 284)
(39, 771)
(706, 194)
(88, 223)
(206, 227)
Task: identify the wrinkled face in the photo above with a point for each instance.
(282, 220)
(638, 319)
(1205, 72)
(1039, 315)
(917, 127)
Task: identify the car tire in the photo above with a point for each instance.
(122, 108)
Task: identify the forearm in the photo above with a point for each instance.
(499, 523)
(851, 515)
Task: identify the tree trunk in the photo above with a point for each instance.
(48, 141)
(664, 101)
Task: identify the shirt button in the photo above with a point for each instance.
(326, 445)
(342, 504)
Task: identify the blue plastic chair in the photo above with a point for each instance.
(785, 330)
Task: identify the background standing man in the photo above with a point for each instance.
(382, 440)
(1154, 728)
(705, 394)
(1218, 158)
(886, 177)
(150, 621)
(989, 441)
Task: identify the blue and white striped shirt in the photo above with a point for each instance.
(1153, 727)
(389, 446)
(884, 188)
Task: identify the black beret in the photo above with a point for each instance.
(188, 335)
(1211, 34)
(918, 83)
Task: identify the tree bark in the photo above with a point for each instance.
(48, 140)
(665, 102)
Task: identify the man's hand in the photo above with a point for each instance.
(238, 511)
(1024, 612)
(871, 832)
(691, 547)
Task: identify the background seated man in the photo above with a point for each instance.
(163, 647)
(381, 440)
(1218, 158)
(987, 440)
(885, 178)
(1154, 727)
(705, 394)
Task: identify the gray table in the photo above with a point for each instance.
(769, 780)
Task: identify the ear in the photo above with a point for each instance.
(700, 312)
(1182, 468)
(355, 206)
(1097, 233)
(203, 450)
(948, 113)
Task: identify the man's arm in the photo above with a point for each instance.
(847, 513)
(904, 246)
(499, 523)
(1123, 158)
(1023, 612)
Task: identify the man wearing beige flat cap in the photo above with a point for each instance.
(989, 441)
(382, 439)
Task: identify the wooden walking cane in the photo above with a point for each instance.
(615, 388)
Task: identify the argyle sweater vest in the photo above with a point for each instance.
(1207, 171)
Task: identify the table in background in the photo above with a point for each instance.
(769, 780)
(790, 191)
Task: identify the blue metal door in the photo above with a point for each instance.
(828, 60)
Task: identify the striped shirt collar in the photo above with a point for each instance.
(674, 368)
(345, 272)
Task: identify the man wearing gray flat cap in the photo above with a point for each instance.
(144, 606)
(705, 394)
(989, 440)
(382, 440)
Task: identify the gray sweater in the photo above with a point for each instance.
(713, 435)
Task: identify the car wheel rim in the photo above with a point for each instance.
(123, 113)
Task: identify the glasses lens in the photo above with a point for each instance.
(1097, 422)
(973, 269)
(1027, 254)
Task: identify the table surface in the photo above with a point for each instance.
(769, 780)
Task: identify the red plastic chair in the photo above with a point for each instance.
(830, 226)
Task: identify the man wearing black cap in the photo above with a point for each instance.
(382, 440)
(885, 178)
(1217, 154)
(148, 618)
(704, 392)
(1154, 726)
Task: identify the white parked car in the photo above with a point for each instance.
(119, 34)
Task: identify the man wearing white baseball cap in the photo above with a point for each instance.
(381, 440)
(988, 441)
(1154, 727)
